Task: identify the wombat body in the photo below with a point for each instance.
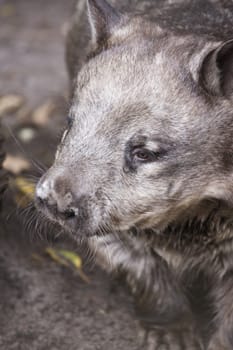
(145, 168)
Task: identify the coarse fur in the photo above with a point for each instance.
(144, 170)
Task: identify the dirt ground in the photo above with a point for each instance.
(43, 305)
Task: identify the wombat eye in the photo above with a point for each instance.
(144, 155)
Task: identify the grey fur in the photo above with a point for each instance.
(145, 168)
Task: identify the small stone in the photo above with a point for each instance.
(26, 134)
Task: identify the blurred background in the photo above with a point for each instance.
(52, 296)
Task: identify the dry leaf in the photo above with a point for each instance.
(10, 104)
(54, 256)
(76, 261)
(22, 201)
(72, 257)
(23, 191)
(68, 258)
(42, 114)
(15, 164)
(25, 187)
(7, 10)
(26, 134)
(37, 258)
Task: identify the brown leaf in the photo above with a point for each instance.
(23, 191)
(10, 104)
(7, 10)
(67, 258)
(42, 114)
(15, 164)
(25, 187)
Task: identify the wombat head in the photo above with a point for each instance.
(149, 133)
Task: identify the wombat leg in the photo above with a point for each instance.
(161, 305)
(223, 337)
(158, 339)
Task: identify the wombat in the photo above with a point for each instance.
(144, 171)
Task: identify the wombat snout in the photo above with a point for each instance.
(54, 195)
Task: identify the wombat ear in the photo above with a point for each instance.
(216, 73)
(103, 19)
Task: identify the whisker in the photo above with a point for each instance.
(40, 167)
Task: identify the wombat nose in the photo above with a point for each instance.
(56, 198)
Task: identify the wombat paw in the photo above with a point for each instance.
(158, 339)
